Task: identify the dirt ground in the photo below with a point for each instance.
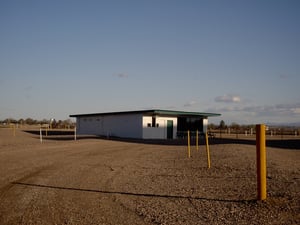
(98, 181)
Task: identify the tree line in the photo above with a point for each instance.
(236, 128)
(68, 123)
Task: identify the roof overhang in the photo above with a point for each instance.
(153, 112)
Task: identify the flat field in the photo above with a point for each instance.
(98, 181)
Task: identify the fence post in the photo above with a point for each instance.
(197, 140)
(261, 162)
(14, 130)
(189, 144)
(207, 150)
(75, 134)
(41, 136)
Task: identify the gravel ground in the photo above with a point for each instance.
(96, 181)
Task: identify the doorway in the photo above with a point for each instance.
(169, 129)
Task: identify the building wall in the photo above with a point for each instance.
(205, 124)
(159, 130)
(128, 126)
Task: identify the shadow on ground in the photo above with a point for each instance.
(51, 132)
(131, 193)
(276, 143)
(69, 135)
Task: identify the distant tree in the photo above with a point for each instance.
(44, 121)
(54, 123)
(222, 125)
(211, 126)
(59, 124)
(66, 123)
(30, 121)
(10, 120)
(21, 121)
(235, 126)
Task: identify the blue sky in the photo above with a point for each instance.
(238, 58)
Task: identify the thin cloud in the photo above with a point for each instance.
(121, 75)
(228, 99)
(284, 76)
(28, 88)
(275, 110)
(242, 113)
(190, 104)
(263, 110)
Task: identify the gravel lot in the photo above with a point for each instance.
(97, 181)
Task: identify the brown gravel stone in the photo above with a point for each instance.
(96, 181)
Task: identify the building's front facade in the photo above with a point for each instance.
(144, 124)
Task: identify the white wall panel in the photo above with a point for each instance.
(160, 131)
(126, 125)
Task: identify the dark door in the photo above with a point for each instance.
(169, 129)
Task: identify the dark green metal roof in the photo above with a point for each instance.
(153, 112)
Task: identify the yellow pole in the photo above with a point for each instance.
(14, 130)
(207, 150)
(197, 144)
(189, 144)
(261, 162)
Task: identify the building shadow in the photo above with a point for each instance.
(64, 135)
(50, 132)
(292, 144)
(284, 144)
(59, 135)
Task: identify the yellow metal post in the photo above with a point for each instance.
(197, 141)
(14, 130)
(189, 144)
(207, 150)
(261, 162)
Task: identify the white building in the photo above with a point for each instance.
(143, 124)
